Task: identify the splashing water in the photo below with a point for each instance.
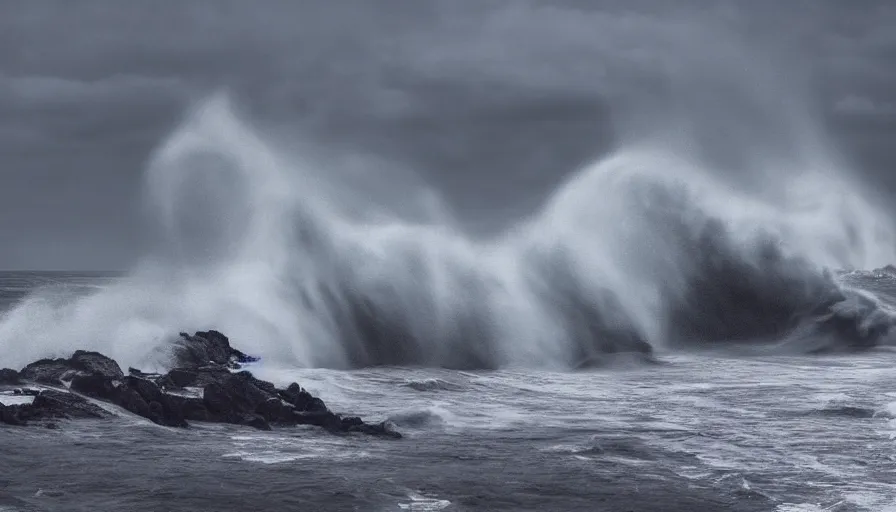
(645, 248)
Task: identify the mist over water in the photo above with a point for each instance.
(712, 222)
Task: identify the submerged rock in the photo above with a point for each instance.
(202, 387)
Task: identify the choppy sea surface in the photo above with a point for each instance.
(695, 432)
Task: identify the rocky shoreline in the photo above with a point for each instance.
(206, 384)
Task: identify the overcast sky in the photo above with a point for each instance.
(491, 102)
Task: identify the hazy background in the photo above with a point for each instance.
(490, 102)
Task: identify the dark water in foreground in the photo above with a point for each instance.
(700, 432)
(143, 468)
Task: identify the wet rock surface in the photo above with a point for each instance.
(51, 404)
(204, 386)
(9, 376)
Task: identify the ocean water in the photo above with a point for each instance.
(697, 431)
(17, 285)
(506, 360)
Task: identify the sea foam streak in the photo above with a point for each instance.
(644, 248)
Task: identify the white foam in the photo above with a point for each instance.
(263, 458)
(15, 399)
(187, 392)
(274, 448)
(421, 503)
(267, 457)
(272, 254)
(878, 500)
(832, 398)
(425, 418)
(801, 507)
(887, 411)
(280, 457)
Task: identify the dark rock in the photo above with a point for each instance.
(263, 385)
(351, 421)
(145, 387)
(206, 347)
(53, 404)
(275, 410)
(57, 371)
(173, 401)
(47, 371)
(96, 386)
(316, 405)
(219, 402)
(9, 414)
(94, 363)
(325, 419)
(301, 399)
(205, 360)
(255, 391)
(180, 378)
(157, 413)
(255, 421)
(212, 373)
(244, 358)
(337, 424)
(383, 429)
(197, 412)
(143, 397)
(131, 400)
(191, 409)
(137, 373)
(242, 397)
(234, 397)
(9, 376)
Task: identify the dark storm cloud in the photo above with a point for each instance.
(491, 101)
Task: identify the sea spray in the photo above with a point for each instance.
(641, 249)
(718, 218)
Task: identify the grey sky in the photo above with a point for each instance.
(491, 102)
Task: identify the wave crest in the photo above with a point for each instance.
(642, 250)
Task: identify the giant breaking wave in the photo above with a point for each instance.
(646, 249)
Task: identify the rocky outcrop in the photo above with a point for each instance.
(204, 386)
(49, 404)
(9, 377)
(54, 372)
(207, 347)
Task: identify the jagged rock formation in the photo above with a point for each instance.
(203, 386)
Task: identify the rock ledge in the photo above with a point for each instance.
(207, 384)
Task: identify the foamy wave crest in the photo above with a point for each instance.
(431, 385)
(644, 249)
(422, 418)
